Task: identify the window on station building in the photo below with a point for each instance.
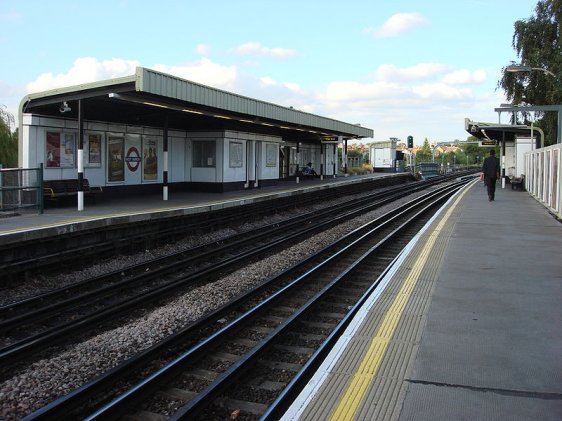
(204, 154)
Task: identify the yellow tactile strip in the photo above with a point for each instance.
(368, 383)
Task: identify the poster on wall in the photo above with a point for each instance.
(150, 159)
(270, 155)
(115, 158)
(94, 150)
(52, 158)
(68, 151)
(235, 154)
(60, 150)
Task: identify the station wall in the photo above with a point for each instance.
(123, 155)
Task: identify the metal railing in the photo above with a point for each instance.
(21, 189)
(543, 177)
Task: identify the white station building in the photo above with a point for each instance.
(152, 131)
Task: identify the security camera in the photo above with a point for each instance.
(64, 108)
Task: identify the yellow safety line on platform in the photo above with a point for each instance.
(354, 395)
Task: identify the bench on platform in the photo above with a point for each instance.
(517, 183)
(55, 189)
(304, 172)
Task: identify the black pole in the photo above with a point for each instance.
(80, 155)
(345, 159)
(165, 175)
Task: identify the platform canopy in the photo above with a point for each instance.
(149, 98)
(501, 132)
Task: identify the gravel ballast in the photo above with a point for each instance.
(48, 379)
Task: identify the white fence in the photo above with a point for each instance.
(543, 174)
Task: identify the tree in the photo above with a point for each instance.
(537, 43)
(8, 140)
(424, 154)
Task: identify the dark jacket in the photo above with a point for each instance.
(491, 167)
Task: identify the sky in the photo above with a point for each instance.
(399, 67)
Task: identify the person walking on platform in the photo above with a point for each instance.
(491, 171)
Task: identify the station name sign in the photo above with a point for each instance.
(488, 142)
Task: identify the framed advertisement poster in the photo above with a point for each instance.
(93, 142)
(235, 154)
(60, 150)
(150, 159)
(68, 150)
(115, 158)
(52, 150)
(270, 155)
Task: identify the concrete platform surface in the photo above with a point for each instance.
(20, 225)
(492, 345)
(468, 326)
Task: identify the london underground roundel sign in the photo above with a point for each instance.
(133, 159)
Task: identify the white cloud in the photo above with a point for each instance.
(267, 81)
(349, 91)
(255, 48)
(203, 49)
(293, 87)
(397, 24)
(390, 72)
(89, 69)
(441, 91)
(203, 71)
(464, 76)
(84, 70)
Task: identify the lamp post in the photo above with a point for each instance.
(520, 68)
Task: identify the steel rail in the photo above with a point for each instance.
(58, 333)
(64, 404)
(7, 311)
(121, 237)
(121, 405)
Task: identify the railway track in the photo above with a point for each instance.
(249, 358)
(76, 248)
(45, 320)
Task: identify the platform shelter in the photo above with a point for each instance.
(152, 131)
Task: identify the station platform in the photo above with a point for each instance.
(58, 220)
(466, 326)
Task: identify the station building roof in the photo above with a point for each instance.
(148, 98)
(500, 132)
